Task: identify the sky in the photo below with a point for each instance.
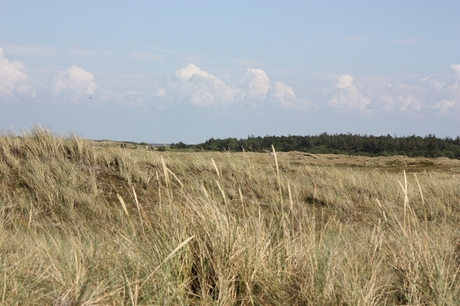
(170, 71)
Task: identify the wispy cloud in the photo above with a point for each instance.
(81, 52)
(444, 106)
(146, 56)
(409, 102)
(246, 62)
(434, 82)
(133, 99)
(31, 50)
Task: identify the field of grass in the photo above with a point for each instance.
(86, 223)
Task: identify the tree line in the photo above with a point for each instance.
(352, 144)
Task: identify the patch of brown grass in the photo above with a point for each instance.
(91, 224)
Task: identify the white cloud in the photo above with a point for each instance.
(13, 78)
(456, 68)
(161, 92)
(409, 97)
(184, 74)
(408, 102)
(348, 96)
(146, 56)
(283, 93)
(388, 103)
(445, 105)
(74, 83)
(434, 82)
(455, 88)
(285, 96)
(198, 87)
(344, 81)
(257, 84)
(388, 85)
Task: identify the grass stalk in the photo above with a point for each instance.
(278, 177)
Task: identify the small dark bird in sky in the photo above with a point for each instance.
(90, 97)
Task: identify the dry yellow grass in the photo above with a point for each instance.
(87, 224)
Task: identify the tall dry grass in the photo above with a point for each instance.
(90, 224)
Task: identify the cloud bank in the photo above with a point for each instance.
(194, 86)
(253, 88)
(429, 95)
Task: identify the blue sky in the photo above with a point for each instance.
(191, 70)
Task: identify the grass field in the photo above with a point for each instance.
(86, 223)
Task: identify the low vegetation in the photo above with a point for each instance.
(92, 223)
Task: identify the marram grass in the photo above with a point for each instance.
(85, 223)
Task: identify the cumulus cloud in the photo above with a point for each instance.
(197, 87)
(456, 68)
(348, 96)
(13, 78)
(422, 97)
(405, 98)
(344, 81)
(283, 93)
(257, 84)
(74, 83)
(285, 96)
(447, 96)
(184, 74)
